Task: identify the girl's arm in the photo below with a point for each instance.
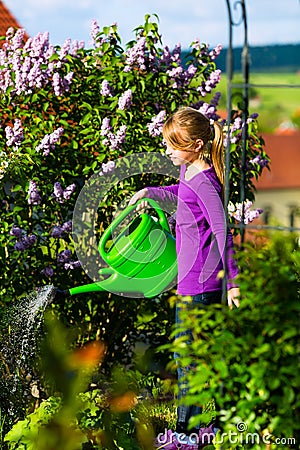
(211, 204)
(165, 195)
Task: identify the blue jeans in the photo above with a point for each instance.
(184, 413)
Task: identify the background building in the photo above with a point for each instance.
(278, 190)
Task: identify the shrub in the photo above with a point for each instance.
(247, 358)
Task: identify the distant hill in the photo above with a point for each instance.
(268, 58)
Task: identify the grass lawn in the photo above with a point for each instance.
(274, 104)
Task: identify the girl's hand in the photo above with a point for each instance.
(233, 297)
(138, 196)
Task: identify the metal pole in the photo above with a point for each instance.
(245, 115)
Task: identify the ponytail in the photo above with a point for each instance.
(217, 152)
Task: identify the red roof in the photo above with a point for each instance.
(7, 20)
(284, 151)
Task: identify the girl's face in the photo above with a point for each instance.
(180, 157)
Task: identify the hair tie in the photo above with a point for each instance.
(212, 128)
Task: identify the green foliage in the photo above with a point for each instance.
(247, 358)
(80, 415)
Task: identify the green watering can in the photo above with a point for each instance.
(141, 257)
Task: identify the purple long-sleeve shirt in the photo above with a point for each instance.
(203, 239)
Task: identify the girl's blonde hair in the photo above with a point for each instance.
(182, 130)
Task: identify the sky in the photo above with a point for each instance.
(180, 21)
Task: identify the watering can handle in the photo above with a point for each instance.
(161, 218)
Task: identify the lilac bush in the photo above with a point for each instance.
(68, 111)
(71, 113)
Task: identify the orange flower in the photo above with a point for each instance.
(88, 356)
(123, 402)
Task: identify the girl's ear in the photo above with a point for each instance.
(199, 145)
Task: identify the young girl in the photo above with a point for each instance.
(203, 240)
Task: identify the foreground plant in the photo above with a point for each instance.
(246, 359)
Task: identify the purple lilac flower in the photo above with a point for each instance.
(76, 46)
(61, 194)
(64, 259)
(208, 85)
(17, 39)
(236, 211)
(179, 76)
(176, 53)
(67, 226)
(65, 49)
(202, 52)
(190, 72)
(49, 140)
(166, 56)
(156, 124)
(48, 272)
(58, 190)
(208, 110)
(136, 55)
(16, 231)
(215, 52)
(258, 159)
(25, 243)
(34, 197)
(56, 83)
(235, 132)
(14, 135)
(120, 136)
(105, 126)
(59, 231)
(237, 124)
(56, 232)
(69, 191)
(106, 90)
(176, 76)
(72, 265)
(175, 72)
(125, 100)
(196, 44)
(252, 117)
(115, 141)
(67, 81)
(98, 41)
(94, 31)
(107, 168)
